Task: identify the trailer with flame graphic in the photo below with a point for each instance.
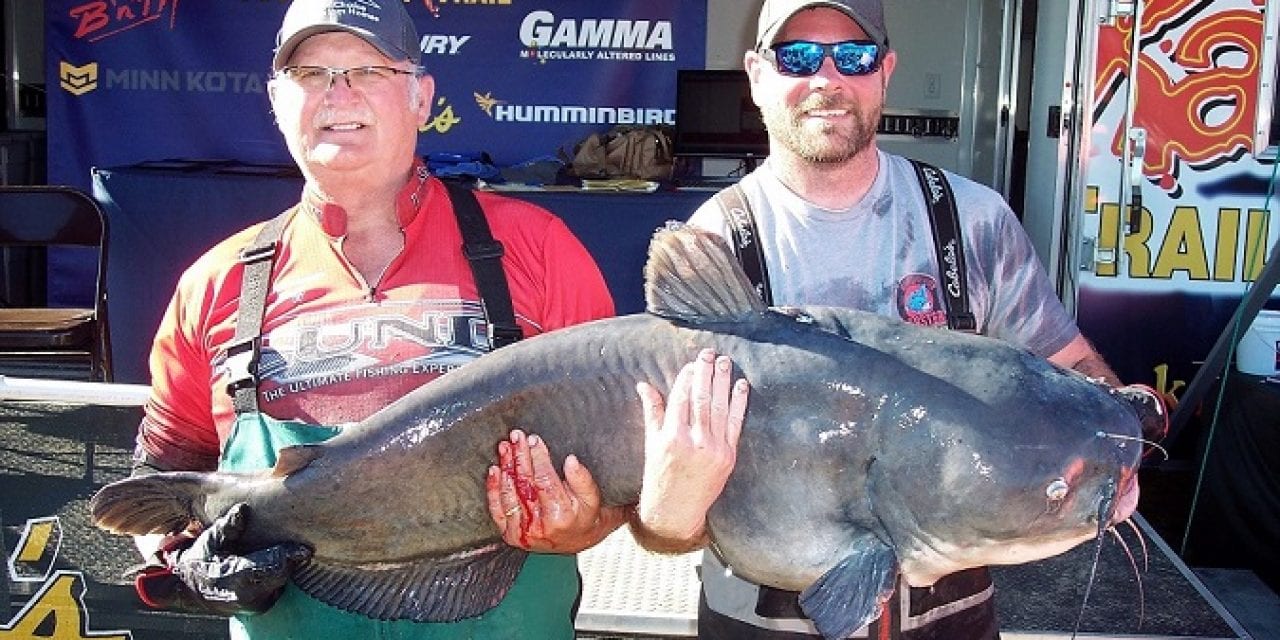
(1177, 150)
(1150, 194)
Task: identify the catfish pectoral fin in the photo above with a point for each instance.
(850, 595)
(429, 590)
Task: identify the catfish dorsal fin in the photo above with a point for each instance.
(693, 276)
(293, 459)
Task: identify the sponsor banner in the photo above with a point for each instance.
(57, 610)
(1202, 234)
(138, 80)
(33, 557)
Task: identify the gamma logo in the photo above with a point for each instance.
(78, 80)
(545, 37)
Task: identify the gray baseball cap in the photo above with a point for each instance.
(869, 14)
(385, 24)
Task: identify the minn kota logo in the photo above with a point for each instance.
(78, 80)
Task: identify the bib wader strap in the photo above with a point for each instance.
(484, 254)
(245, 349)
(746, 240)
(945, 221)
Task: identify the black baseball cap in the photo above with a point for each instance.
(385, 24)
(869, 14)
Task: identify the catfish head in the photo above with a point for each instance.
(1015, 487)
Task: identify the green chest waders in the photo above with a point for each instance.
(537, 607)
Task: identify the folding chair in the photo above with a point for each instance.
(41, 337)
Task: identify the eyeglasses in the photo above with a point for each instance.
(803, 58)
(319, 79)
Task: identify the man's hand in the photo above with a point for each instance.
(691, 446)
(204, 574)
(536, 510)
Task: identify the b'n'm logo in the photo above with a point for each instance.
(78, 80)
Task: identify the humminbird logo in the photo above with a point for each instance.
(545, 38)
(572, 114)
(77, 80)
(935, 184)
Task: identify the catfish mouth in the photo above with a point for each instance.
(1120, 506)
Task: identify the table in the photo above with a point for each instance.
(162, 216)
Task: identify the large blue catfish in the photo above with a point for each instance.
(871, 448)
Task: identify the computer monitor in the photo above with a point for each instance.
(716, 118)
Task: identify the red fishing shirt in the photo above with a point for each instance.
(336, 348)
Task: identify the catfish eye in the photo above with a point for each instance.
(1057, 490)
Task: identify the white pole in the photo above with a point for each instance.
(72, 392)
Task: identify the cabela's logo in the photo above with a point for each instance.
(935, 184)
(951, 270)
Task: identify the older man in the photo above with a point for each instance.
(295, 329)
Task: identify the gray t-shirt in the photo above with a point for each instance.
(879, 256)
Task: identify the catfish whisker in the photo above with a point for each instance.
(1146, 555)
(1151, 443)
(1142, 595)
(1088, 589)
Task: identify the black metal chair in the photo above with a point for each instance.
(41, 336)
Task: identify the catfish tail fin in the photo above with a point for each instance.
(156, 503)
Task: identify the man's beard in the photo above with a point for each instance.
(823, 142)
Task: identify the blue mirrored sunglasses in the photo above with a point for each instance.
(804, 58)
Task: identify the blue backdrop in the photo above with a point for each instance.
(144, 80)
(135, 80)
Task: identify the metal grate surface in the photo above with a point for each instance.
(630, 591)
